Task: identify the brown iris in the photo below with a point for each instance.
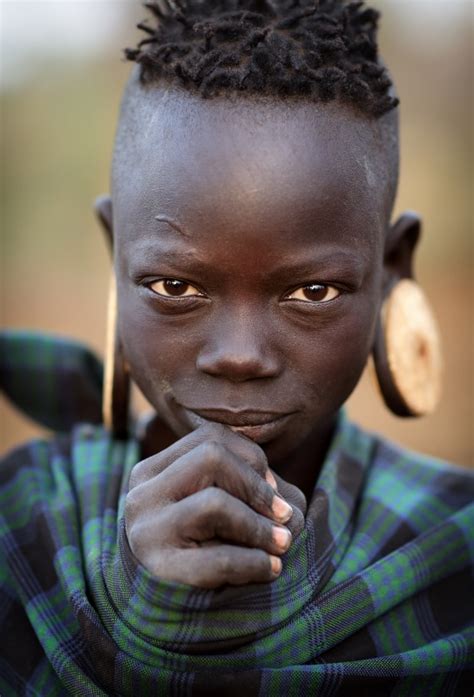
(174, 287)
(315, 292)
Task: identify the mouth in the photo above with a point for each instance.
(259, 426)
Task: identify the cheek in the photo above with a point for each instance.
(157, 351)
(336, 358)
(138, 337)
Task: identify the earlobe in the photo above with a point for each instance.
(407, 347)
(103, 211)
(407, 352)
(400, 245)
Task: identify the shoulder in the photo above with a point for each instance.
(33, 462)
(48, 471)
(64, 471)
(413, 470)
(420, 488)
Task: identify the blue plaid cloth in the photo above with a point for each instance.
(375, 597)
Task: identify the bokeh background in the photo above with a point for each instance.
(61, 80)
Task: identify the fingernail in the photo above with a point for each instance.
(271, 480)
(282, 510)
(281, 537)
(276, 564)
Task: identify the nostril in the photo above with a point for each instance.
(237, 367)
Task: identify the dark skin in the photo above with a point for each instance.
(252, 252)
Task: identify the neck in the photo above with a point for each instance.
(154, 436)
(303, 466)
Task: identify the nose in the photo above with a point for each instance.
(239, 348)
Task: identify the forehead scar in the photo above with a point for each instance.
(172, 223)
(369, 174)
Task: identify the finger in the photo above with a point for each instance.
(222, 516)
(217, 565)
(151, 466)
(297, 500)
(212, 464)
(208, 515)
(243, 447)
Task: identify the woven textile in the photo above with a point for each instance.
(375, 597)
(55, 381)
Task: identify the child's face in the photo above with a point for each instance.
(262, 201)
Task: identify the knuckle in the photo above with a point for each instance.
(262, 533)
(261, 466)
(135, 540)
(212, 501)
(213, 430)
(256, 458)
(136, 475)
(132, 504)
(213, 453)
(261, 459)
(224, 564)
(262, 493)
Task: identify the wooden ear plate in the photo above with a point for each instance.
(116, 388)
(407, 353)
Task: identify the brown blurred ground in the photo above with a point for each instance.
(57, 134)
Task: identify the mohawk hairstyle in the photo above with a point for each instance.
(319, 49)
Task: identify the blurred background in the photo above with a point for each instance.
(61, 79)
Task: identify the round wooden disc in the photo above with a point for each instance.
(413, 348)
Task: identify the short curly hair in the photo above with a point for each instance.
(323, 50)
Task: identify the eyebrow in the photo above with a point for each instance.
(333, 263)
(163, 218)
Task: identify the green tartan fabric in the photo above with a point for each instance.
(375, 597)
(55, 381)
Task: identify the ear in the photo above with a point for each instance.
(400, 247)
(103, 211)
(406, 350)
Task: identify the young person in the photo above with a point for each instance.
(247, 537)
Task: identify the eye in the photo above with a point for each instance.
(314, 292)
(174, 288)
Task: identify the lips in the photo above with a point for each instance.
(239, 418)
(259, 426)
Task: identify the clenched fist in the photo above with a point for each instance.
(206, 511)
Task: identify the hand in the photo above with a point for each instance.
(205, 511)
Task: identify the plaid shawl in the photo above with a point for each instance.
(375, 596)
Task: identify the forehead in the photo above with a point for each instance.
(248, 162)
